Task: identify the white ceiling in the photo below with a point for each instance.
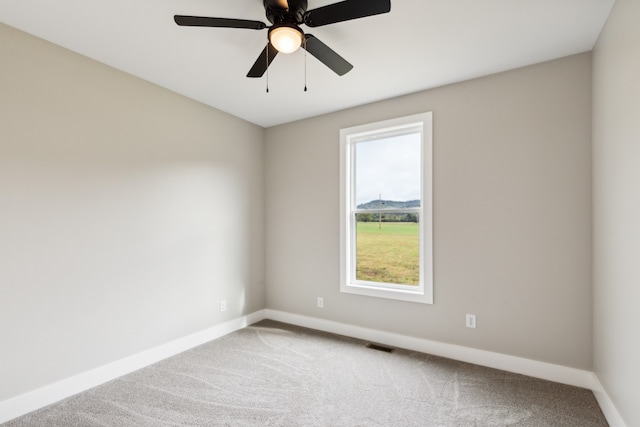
(420, 44)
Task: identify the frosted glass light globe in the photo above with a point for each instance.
(285, 39)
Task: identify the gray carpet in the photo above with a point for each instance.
(272, 374)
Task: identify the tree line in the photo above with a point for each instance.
(387, 217)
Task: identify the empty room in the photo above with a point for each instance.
(320, 213)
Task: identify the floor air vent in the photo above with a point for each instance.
(380, 347)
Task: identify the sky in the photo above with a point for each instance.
(389, 167)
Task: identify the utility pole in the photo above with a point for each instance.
(380, 212)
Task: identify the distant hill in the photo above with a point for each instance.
(389, 204)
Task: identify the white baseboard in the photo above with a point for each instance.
(519, 365)
(36, 399)
(606, 404)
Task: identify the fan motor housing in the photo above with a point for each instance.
(277, 15)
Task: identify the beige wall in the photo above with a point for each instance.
(512, 215)
(127, 213)
(616, 221)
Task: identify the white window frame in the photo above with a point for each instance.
(423, 293)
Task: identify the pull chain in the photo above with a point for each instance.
(304, 41)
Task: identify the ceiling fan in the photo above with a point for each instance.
(285, 35)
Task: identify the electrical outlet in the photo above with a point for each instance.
(320, 302)
(223, 305)
(471, 321)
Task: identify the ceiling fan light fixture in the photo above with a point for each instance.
(286, 39)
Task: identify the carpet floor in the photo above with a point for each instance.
(273, 374)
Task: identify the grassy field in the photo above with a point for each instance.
(389, 254)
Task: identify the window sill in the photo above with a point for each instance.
(418, 296)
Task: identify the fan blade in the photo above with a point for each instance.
(203, 21)
(261, 65)
(345, 11)
(326, 55)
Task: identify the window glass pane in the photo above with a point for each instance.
(387, 172)
(388, 248)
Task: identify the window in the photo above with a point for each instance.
(385, 203)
